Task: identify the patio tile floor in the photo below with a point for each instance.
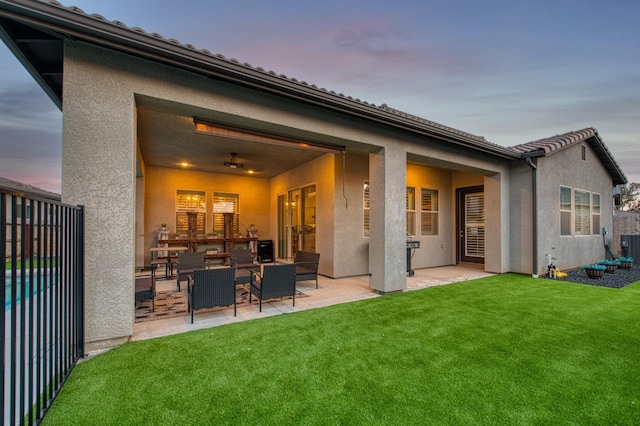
(330, 292)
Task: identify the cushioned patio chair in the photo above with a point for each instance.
(307, 266)
(187, 263)
(146, 290)
(274, 281)
(208, 288)
(242, 259)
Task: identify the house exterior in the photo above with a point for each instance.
(332, 174)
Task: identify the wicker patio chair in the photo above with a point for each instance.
(208, 288)
(242, 259)
(307, 266)
(187, 263)
(274, 281)
(146, 289)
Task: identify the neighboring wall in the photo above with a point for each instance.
(624, 223)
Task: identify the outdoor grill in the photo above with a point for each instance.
(411, 245)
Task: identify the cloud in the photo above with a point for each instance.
(30, 136)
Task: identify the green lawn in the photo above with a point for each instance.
(507, 349)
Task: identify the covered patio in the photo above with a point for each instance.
(330, 292)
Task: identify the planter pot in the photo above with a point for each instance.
(626, 265)
(594, 273)
(611, 269)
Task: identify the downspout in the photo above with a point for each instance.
(534, 190)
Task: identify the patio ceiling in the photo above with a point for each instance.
(167, 137)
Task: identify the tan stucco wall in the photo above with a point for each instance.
(435, 250)
(160, 199)
(318, 172)
(568, 169)
(521, 219)
(98, 171)
(351, 253)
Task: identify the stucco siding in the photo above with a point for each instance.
(435, 250)
(318, 172)
(99, 173)
(567, 168)
(521, 219)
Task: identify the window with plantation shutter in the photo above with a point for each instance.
(411, 211)
(582, 218)
(429, 212)
(595, 214)
(365, 203)
(474, 214)
(190, 201)
(566, 207)
(218, 218)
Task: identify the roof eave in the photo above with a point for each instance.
(106, 34)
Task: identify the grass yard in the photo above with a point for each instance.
(507, 349)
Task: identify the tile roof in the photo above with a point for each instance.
(381, 111)
(557, 142)
(548, 146)
(138, 41)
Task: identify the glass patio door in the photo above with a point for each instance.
(471, 224)
(296, 221)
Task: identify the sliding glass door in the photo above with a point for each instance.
(297, 221)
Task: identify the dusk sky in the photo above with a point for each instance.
(511, 71)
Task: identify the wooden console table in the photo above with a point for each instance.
(228, 245)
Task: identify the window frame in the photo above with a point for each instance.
(564, 211)
(199, 205)
(218, 218)
(581, 218)
(366, 208)
(432, 212)
(410, 205)
(596, 214)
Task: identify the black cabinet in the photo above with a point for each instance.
(265, 251)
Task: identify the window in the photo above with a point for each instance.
(565, 210)
(595, 214)
(365, 203)
(582, 217)
(429, 212)
(231, 201)
(190, 201)
(411, 211)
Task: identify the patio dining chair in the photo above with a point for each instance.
(187, 263)
(146, 289)
(208, 288)
(307, 266)
(242, 259)
(277, 280)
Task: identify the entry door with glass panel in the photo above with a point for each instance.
(297, 221)
(471, 224)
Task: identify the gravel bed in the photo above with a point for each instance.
(619, 279)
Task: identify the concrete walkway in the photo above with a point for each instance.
(330, 292)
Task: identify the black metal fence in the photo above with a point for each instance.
(43, 322)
